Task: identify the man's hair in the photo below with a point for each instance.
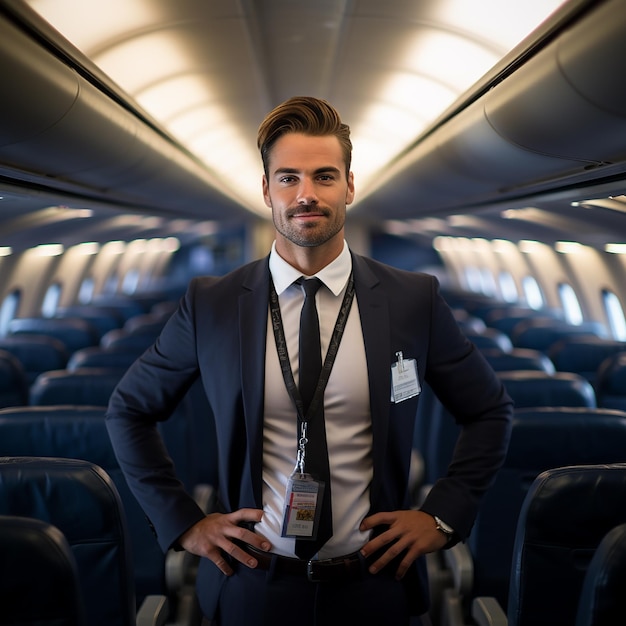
(306, 115)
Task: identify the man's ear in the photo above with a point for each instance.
(266, 193)
(350, 192)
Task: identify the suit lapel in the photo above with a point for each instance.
(253, 311)
(375, 324)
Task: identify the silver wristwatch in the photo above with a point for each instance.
(443, 527)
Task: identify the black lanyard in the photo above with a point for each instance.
(331, 354)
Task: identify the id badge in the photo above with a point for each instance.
(404, 381)
(303, 505)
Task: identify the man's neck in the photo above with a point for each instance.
(309, 261)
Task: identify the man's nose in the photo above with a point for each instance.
(306, 192)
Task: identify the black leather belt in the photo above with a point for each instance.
(342, 568)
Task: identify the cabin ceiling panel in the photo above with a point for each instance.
(390, 67)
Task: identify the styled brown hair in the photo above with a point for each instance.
(306, 115)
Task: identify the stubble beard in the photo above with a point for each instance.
(309, 235)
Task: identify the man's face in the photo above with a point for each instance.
(306, 188)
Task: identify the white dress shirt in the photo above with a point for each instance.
(346, 411)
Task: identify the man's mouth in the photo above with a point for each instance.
(307, 213)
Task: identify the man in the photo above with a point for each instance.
(389, 331)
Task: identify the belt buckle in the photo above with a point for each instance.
(310, 574)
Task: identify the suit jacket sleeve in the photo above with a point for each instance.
(147, 394)
(475, 397)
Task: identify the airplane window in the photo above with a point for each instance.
(488, 284)
(473, 278)
(51, 300)
(508, 288)
(130, 282)
(615, 315)
(8, 311)
(532, 292)
(571, 307)
(85, 293)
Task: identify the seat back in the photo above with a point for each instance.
(611, 381)
(146, 323)
(541, 439)
(583, 354)
(74, 332)
(564, 517)
(80, 386)
(506, 319)
(81, 434)
(530, 388)
(490, 339)
(119, 339)
(79, 499)
(519, 359)
(541, 333)
(36, 353)
(13, 381)
(103, 319)
(96, 356)
(39, 576)
(602, 600)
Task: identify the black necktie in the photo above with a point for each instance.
(316, 459)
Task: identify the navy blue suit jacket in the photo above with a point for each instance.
(219, 333)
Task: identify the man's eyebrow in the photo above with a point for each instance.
(327, 169)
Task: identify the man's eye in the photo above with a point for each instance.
(286, 179)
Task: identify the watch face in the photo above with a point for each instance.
(443, 527)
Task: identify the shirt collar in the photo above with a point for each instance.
(335, 275)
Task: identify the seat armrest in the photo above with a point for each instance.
(181, 566)
(154, 611)
(205, 496)
(486, 611)
(458, 560)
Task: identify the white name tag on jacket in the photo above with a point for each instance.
(404, 381)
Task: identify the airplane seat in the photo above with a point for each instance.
(96, 356)
(39, 580)
(102, 318)
(564, 518)
(542, 438)
(467, 322)
(124, 307)
(165, 308)
(527, 388)
(120, 339)
(36, 353)
(505, 320)
(540, 334)
(490, 339)
(80, 499)
(602, 598)
(519, 359)
(13, 381)
(145, 323)
(77, 436)
(583, 354)
(53, 411)
(611, 381)
(79, 432)
(530, 388)
(468, 300)
(487, 309)
(74, 332)
(87, 385)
